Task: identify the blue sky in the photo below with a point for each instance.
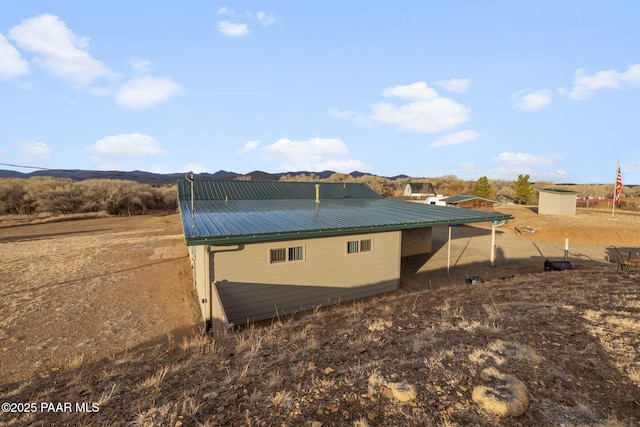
(423, 88)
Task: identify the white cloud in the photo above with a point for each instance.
(232, 29)
(249, 147)
(524, 159)
(58, 49)
(314, 147)
(531, 100)
(535, 174)
(195, 168)
(456, 138)
(341, 166)
(455, 85)
(265, 19)
(426, 111)
(414, 91)
(510, 165)
(585, 85)
(314, 154)
(158, 168)
(632, 75)
(468, 170)
(142, 66)
(342, 114)
(146, 91)
(126, 145)
(224, 10)
(240, 29)
(32, 149)
(11, 63)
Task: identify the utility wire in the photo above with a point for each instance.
(39, 168)
(28, 167)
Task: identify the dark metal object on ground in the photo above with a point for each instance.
(556, 265)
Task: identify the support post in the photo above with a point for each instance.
(449, 251)
(493, 244)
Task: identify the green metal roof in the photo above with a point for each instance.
(230, 212)
(463, 198)
(270, 190)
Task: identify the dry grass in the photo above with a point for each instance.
(546, 357)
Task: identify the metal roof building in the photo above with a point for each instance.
(251, 211)
(468, 201)
(259, 248)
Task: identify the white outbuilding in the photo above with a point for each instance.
(435, 199)
(557, 202)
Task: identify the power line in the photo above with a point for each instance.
(39, 168)
(26, 167)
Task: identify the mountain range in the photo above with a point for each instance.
(166, 178)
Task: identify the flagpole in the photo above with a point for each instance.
(613, 199)
(615, 189)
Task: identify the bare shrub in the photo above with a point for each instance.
(64, 196)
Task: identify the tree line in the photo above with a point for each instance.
(65, 196)
(122, 197)
(520, 190)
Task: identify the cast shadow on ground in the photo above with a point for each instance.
(415, 277)
(440, 234)
(43, 236)
(86, 278)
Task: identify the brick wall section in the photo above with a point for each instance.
(416, 241)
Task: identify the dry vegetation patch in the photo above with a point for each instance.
(550, 348)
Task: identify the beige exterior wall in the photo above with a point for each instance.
(556, 204)
(213, 313)
(416, 241)
(200, 268)
(251, 288)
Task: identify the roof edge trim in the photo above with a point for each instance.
(307, 234)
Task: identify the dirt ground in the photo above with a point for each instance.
(77, 291)
(103, 310)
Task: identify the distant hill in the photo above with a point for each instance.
(170, 178)
(163, 179)
(138, 176)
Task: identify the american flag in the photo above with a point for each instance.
(616, 194)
